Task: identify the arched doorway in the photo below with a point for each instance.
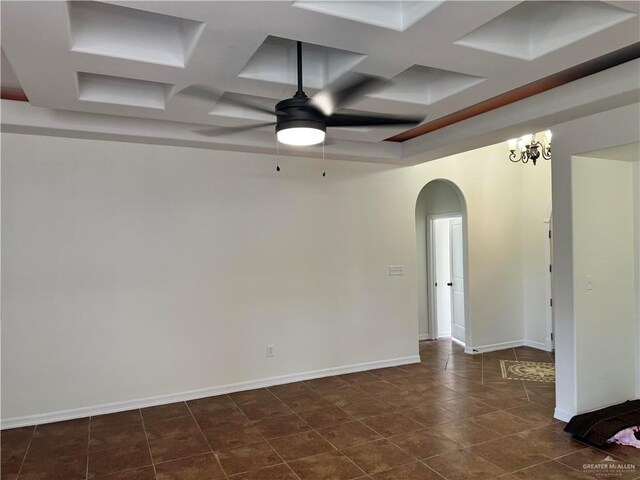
(441, 242)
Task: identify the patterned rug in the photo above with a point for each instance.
(530, 371)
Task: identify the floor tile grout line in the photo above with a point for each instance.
(205, 439)
(24, 458)
(88, 445)
(146, 436)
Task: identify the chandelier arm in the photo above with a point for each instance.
(546, 153)
(513, 157)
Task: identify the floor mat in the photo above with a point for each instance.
(530, 371)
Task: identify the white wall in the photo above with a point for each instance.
(608, 129)
(603, 249)
(131, 271)
(536, 204)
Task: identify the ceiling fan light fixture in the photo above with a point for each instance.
(301, 136)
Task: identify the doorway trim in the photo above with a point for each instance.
(465, 249)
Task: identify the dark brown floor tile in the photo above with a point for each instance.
(248, 458)
(389, 373)
(326, 384)
(113, 460)
(404, 400)
(252, 396)
(279, 472)
(348, 434)
(503, 422)
(583, 459)
(144, 473)
(464, 465)
(329, 466)
(208, 421)
(289, 390)
(178, 446)
(212, 406)
(223, 437)
(378, 456)
(509, 455)
(466, 433)
(16, 437)
(551, 471)
(165, 412)
(193, 468)
(305, 402)
(534, 413)
(266, 409)
(123, 436)
(391, 424)
(281, 426)
(378, 389)
(63, 429)
(366, 408)
(13, 449)
(171, 427)
(548, 442)
(430, 415)
(58, 468)
(324, 417)
(358, 378)
(67, 439)
(467, 407)
(116, 419)
(425, 443)
(301, 445)
(344, 396)
(413, 471)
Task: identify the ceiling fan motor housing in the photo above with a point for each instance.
(297, 112)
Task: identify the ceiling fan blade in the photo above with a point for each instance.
(344, 91)
(363, 120)
(219, 131)
(210, 94)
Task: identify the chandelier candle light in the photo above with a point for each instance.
(530, 148)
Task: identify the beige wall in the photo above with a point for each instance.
(135, 274)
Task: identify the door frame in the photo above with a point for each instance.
(549, 320)
(432, 297)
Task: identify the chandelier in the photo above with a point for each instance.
(528, 148)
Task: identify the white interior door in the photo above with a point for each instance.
(442, 275)
(457, 279)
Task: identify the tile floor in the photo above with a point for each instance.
(452, 416)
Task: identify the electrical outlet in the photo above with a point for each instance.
(396, 270)
(270, 350)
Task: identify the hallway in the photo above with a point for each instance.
(452, 416)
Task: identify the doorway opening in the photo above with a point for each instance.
(441, 252)
(446, 275)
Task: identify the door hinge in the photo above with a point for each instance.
(436, 284)
(552, 336)
(550, 268)
(549, 233)
(551, 302)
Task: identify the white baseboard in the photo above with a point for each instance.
(501, 346)
(71, 414)
(538, 345)
(562, 415)
(424, 336)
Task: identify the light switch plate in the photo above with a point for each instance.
(396, 270)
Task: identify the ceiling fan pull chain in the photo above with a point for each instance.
(277, 155)
(324, 162)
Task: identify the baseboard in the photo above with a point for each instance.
(562, 415)
(424, 336)
(538, 345)
(82, 412)
(494, 346)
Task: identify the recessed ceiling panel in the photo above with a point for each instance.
(122, 91)
(394, 15)
(275, 61)
(426, 85)
(132, 34)
(224, 108)
(533, 29)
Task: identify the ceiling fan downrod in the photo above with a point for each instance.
(300, 92)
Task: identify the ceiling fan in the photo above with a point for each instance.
(301, 120)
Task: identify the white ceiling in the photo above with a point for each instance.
(130, 58)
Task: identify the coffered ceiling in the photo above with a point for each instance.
(129, 59)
